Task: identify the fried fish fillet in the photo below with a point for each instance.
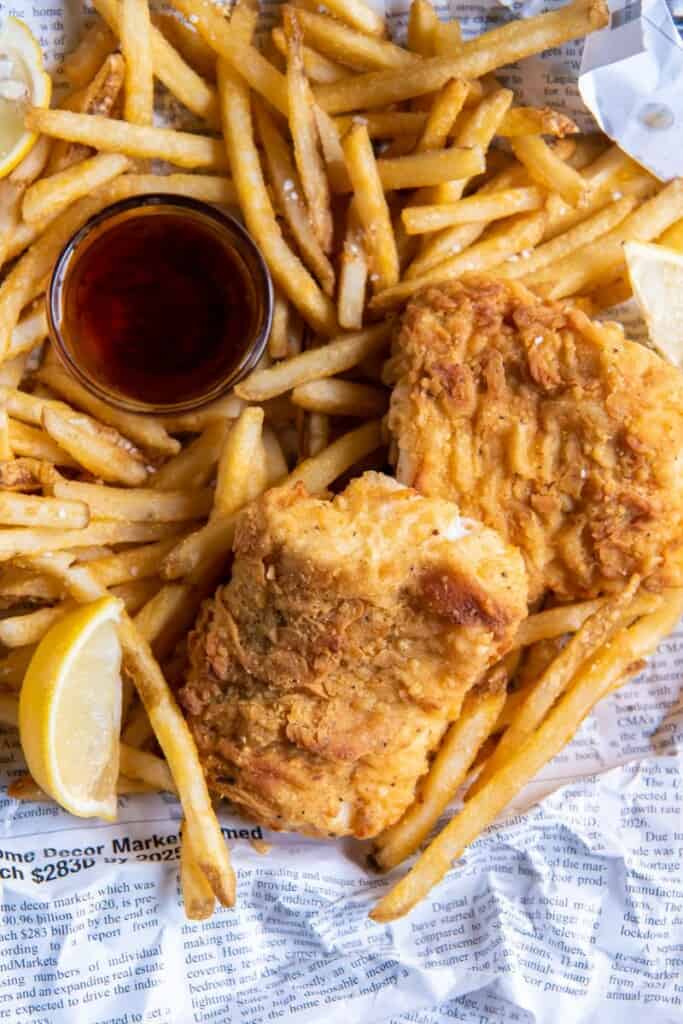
(553, 430)
(326, 671)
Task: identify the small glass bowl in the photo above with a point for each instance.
(224, 227)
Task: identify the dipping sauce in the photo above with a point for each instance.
(160, 305)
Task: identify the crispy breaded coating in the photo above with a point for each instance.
(328, 668)
(553, 430)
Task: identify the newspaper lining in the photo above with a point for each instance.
(569, 908)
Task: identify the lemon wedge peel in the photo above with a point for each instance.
(656, 275)
(18, 43)
(77, 766)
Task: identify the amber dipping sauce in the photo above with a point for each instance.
(160, 303)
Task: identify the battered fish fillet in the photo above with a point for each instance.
(551, 429)
(326, 671)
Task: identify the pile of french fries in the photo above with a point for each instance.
(364, 170)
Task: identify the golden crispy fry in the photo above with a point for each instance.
(355, 13)
(421, 219)
(81, 64)
(333, 152)
(340, 398)
(47, 197)
(289, 194)
(135, 596)
(180, 148)
(544, 256)
(189, 44)
(448, 40)
(512, 237)
(327, 361)
(13, 667)
(568, 618)
(615, 662)
(446, 774)
(166, 616)
(447, 104)
(212, 544)
(585, 643)
(417, 170)
(136, 45)
(98, 449)
(355, 49)
(288, 271)
(302, 126)
(536, 121)
(24, 475)
(422, 25)
(169, 67)
(5, 446)
(276, 463)
(27, 510)
(318, 69)
(316, 433)
(199, 901)
(228, 407)
(21, 630)
(236, 465)
(277, 339)
(194, 465)
(17, 542)
(371, 208)
(547, 169)
(353, 275)
(142, 430)
(603, 259)
(141, 505)
(36, 444)
(99, 97)
(147, 768)
(134, 564)
(500, 46)
(241, 56)
(388, 124)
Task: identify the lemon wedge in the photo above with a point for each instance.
(656, 274)
(24, 83)
(70, 710)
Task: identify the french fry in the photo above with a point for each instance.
(448, 771)
(448, 40)
(36, 444)
(277, 339)
(447, 104)
(593, 682)
(13, 667)
(194, 465)
(138, 731)
(289, 194)
(141, 141)
(390, 124)
(348, 46)
(355, 13)
(5, 446)
(12, 372)
(317, 433)
(242, 57)
(244, 19)
(198, 899)
(82, 64)
(17, 583)
(340, 398)
(514, 236)
(371, 207)
(136, 593)
(142, 430)
(418, 170)
(302, 126)
(353, 274)
(422, 25)
(181, 80)
(214, 542)
(547, 169)
(15, 543)
(27, 510)
(585, 643)
(148, 768)
(22, 630)
(500, 46)
(140, 505)
(536, 121)
(318, 69)
(568, 618)
(189, 44)
(164, 618)
(237, 462)
(94, 447)
(134, 564)
(48, 196)
(24, 475)
(288, 271)
(136, 45)
(422, 219)
(276, 463)
(336, 357)
(603, 260)
(332, 152)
